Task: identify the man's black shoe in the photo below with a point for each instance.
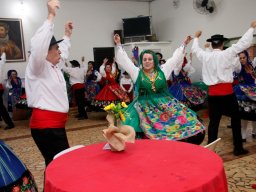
(9, 127)
(240, 152)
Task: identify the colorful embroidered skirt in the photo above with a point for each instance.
(160, 116)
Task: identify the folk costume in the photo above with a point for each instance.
(154, 111)
(182, 88)
(14, 175)
(47, 93)
(15, 90)
(92, 87)
(245, 92)
(217, 73)
(111, 92)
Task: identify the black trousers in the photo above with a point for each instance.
(224, 105)
(3, 112)
(80, 101)
(50, 142)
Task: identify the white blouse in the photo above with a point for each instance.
(126, 63)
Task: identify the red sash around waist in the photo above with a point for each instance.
(42, 119)
(78, 86)
(220, 89)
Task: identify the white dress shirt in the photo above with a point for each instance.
(77, 74)
(218, 65)
(44, 82)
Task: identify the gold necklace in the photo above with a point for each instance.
(152, 79)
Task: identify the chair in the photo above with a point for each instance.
(68, 150)
(212, 145)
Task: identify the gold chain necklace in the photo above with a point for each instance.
(152, 78)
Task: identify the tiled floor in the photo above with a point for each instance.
(240, 171)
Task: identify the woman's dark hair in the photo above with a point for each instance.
(91, 62)
(248, 60)
(10, 72)
(160, 54)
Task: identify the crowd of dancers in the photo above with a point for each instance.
(159, 92)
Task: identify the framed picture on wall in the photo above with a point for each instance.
(12, 40)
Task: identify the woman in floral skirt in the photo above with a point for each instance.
(155, 112)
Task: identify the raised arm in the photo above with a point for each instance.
(176, 59)
(102, 67)
(195, 47)
(84, 66)
(124, 61)
(65, 45)
(98, 75)
(244, 42)
(3, 59)
(41, 40)
(188, 67)
(113, 67)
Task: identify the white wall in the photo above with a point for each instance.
(94, 22)
(232, 19)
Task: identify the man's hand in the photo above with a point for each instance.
(52, 6)
(105, 61)
(117, 39)
(253, 24)
(187, 40)
(69, 28)
(198, 34)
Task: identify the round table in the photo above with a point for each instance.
(147, 165)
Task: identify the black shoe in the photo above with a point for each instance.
(243, 140)
(229, 126)
(240, 152)
(9, 127)
(253, 135)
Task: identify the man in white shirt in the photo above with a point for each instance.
(46, 87)
(217, 73)
(76, 77)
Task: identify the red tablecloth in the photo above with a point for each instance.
(147, 165)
